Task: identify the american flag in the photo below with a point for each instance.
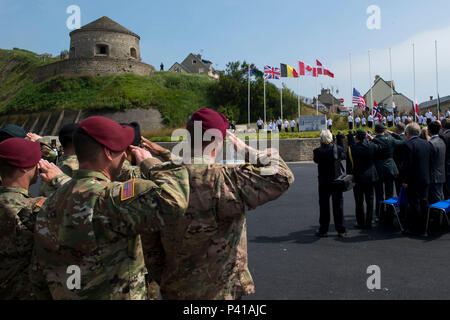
(272, 73)
(358, 99)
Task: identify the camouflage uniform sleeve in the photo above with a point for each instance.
(141, 206)
(129, 172)
(256, 184)
(46, 189)
(47, 152)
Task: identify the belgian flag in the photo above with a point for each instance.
(287, 71)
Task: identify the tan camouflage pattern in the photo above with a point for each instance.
(204, 253)
(68, 164)
(128, 172)
(47, 152)
(18, 213)
(87, 223)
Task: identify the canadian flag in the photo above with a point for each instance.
(306, 70)
(322, 70)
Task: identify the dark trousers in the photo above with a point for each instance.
(329, 128)
(279, 127)
(384, 189)
(370, 124)
(286, 129)
(350, 125)
(358, 125)
(390, 124)
(325, 192)
(364, 191)
(293, 129)
(436, 192)
(418, 201)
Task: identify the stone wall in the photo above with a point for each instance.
(97, 66)
(83, 44)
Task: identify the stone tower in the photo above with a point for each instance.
(102, 47)
(104, 38)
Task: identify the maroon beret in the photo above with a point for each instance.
(211, 120)
(21, 153)
(108, 133)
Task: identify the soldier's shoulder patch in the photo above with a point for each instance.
(40, 203)
(127, 190)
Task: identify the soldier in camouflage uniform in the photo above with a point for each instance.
(93, 223)
(19, 161)
(203, 255)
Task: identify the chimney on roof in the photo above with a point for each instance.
(377, 77)
(431, 98)
(199, 56)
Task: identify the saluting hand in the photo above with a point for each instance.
(140, 154)
(48, 170)
(154, 148)
(33, 136)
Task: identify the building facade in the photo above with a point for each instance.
(194, 63)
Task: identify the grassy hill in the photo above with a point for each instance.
(175, 95)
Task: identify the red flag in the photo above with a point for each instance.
(305, 70)
(322, 70)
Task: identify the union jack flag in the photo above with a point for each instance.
(272, 73)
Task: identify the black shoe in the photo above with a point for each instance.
(342, 235)
(321, 234)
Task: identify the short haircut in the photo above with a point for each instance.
(434, 127)
(326, 136)
(86, 148)
(65, 135)
(7, 170)
(408, 121)
(400, 127)
(446, 123)
(413, 129)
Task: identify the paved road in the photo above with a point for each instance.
(288, 262)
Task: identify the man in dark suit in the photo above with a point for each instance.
(415, 177)
(398, 152)
(361, 157)
(329, 157)
(386, 169)
(446, 136)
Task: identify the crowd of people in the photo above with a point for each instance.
(412, 163)
(277, 125)
(123, 220)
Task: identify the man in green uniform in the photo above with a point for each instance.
(203, 255)
(87, 243)
(19, 163)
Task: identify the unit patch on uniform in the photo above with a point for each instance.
(127, 190)
(40, 203)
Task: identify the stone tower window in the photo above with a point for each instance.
(133, 53)
(101, 50)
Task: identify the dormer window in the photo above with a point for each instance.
(101, 50)
(194, 61)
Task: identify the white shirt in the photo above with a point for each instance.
(286, 124)
(384, 119)
(397, 119)
(363, 121)
(259, 122)
(330, 122)
(428, 115)
(279, 122)
(292, 123)
(269, 126)
(358, 120)
(350, 119)
(389, 118)
(370, 118)
(403, 118)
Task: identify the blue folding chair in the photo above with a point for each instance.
(395, 203)
(443, 207)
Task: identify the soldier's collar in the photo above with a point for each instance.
(83, 174)
(14, 190)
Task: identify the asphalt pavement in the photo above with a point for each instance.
(287, 261)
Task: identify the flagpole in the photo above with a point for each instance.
(437, 82)
(351, 86)
(317, 100)
(414, 82)
(281, 96)
(298, 95)
(371, 86)
(392, 83)
(248, 97)
(264, 100)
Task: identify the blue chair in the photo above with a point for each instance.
(395, 203)
(443, 207)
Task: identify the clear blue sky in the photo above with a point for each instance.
(259, 31)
